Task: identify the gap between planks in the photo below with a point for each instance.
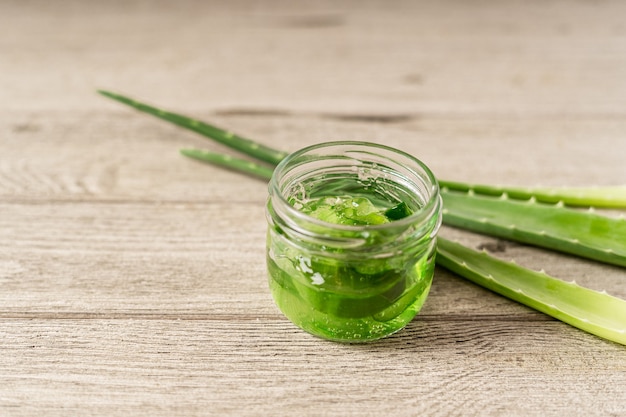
(77, 315)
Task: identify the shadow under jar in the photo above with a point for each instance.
(351, 239)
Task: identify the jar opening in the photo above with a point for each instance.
(384, 175)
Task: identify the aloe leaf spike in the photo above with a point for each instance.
(244, 145)
(595, 312)
(552, 226)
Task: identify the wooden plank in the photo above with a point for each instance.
(513, 58)
(133, 280)
(252, 367)
(194, 258)
(125, 155)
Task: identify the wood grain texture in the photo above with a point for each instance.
(132, 280)
(215, 366)
(130, 151)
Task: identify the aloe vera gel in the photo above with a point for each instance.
(351, 239)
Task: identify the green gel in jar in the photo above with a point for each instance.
(351, 239)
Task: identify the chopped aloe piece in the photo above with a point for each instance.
(595, 312)
(399, 211)
(345, 210)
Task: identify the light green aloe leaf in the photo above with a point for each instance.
(581, 233)
(614, 197)
(244, 145)
(595, 312)
(606, 197)
(230, 162)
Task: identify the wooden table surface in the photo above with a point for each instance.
(133, 281)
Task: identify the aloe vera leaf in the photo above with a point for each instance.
(595, 312)
(581, 233)
(613, 197)
(231, 162)
(551, 226)
(247, 146)
(607, 197)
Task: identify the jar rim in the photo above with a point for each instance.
(425, 212)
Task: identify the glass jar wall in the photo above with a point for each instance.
(351, 239)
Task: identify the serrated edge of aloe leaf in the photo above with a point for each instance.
(231, 162)
(547, 236)
(609, 197)
(239, 143)
(595, 312)
(601, 197)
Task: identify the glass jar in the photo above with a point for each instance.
(351, 239)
